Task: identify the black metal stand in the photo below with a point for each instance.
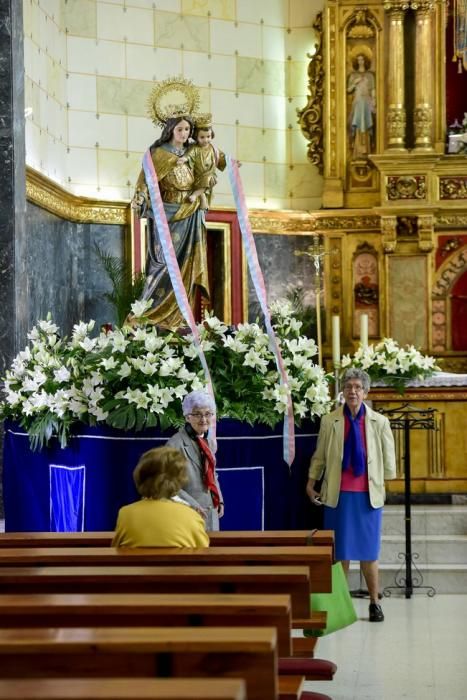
(407, 418)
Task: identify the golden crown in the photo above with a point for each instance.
(203, 120)
(172, 97)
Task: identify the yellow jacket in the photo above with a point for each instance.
(327, 459)
(159, 523)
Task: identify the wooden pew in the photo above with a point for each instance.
(123, 689)
(264, 580)
(317, 559)
(251, 538)
(151, 610)
(235, 652)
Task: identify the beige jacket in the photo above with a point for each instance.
(327, 459)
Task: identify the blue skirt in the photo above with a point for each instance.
(357, 527)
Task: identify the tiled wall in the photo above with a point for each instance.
(90, 66)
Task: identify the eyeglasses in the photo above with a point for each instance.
(353, 387)
(199, 416)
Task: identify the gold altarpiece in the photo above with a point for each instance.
(394, 203)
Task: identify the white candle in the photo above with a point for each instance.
(336, 341)
(364, 330)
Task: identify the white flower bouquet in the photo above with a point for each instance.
(133, 378)
(391, 364)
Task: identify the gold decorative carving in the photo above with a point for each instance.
(277, 223)
(389, 232)
(406, 187)
(458, 365)
(423, 119)
(396, 121)
(451, 221)
(48, 195)
(360, 26)
(396, 6)
(422, 5)
(453, 187)
(426, 233)
(332, 93)
(310, 117)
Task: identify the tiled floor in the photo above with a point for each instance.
(419, 652)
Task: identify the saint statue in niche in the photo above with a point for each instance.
(361, 86)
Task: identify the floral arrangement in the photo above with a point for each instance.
(134, 377)
(391, 364)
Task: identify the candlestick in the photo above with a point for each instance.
(336, 341)
(364, 330)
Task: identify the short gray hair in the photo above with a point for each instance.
(198, 399)
(355, 373)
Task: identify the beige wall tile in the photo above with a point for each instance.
(109, 131)
(276, 180)
(80, 17)
(52, 8)
(305, 181)
(225, 138)
(297, 78)
(56, 81)
(251, 146)
(168, 5)
(300, 42)
(274, 112)
(141, 134)
(81, 164)
(177, 31)
(151, 63)
(272, 12)
(118, 96)
(221, 9)
(261, 145)
(82, 92)
(31, 100)
(252, 175)
(303, 14)
(31, 62)
(306, 204)
(223, 200)
(32, 144)
(273, 43)
(102, 57)
(230, 38)
(125, 24)
(243, 109)
(299, 147)
(258, 76)
(35, 23)
(116, 169)
(210, 70)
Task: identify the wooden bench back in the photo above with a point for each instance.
(263, 580)
(317, 559)
(235, 652)
(123, 689)
(252, 538)
(147, 610)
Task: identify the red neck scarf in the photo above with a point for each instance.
(208, 469)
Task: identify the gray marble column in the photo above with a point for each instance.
(13, 272)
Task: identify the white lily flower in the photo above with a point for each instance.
(139, 308)
(62, 374)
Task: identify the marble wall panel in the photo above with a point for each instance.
(282, 269)
(64, 276)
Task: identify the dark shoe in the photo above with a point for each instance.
(376, 613)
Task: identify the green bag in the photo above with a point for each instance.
(338, 604)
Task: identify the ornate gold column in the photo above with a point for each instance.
(424, 67)
(395, 118)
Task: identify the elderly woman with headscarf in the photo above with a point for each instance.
(202, 492)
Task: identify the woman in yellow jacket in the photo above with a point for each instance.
(354, 455)
(160, 518)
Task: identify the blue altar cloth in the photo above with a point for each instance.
(82, 486)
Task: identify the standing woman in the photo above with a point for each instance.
(354, 455)
(186, 223)
(202, 491)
